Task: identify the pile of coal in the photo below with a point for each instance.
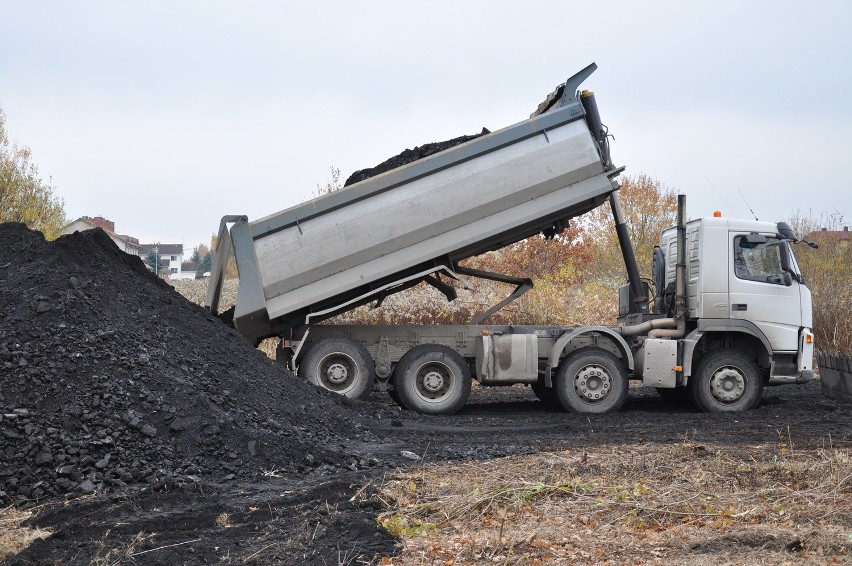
(409, 156)
(109, 377)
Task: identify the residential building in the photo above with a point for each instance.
(188, 270)
(127, 244)
(169, 257)
(841, 238)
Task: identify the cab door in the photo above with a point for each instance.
(758, 290)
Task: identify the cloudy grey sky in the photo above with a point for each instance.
(164, 116)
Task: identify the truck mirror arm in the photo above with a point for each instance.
(786, 266)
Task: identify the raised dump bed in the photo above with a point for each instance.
(391, 231)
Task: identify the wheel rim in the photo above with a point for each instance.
(728, 384)
(337, 372)
(592, 383)
(434, 381)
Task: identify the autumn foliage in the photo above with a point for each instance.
(24, 196)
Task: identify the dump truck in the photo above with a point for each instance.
(728, 312)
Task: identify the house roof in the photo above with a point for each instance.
(162, 249)
(830, 235)
(67, 228)
(189, 266)
(85, 223)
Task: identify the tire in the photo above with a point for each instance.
(591, 380)
(395, 396)
(726, 381)
(547, 395)
(432, 379)
(339, 365)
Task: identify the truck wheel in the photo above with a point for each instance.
(432, 379)
(339, 365)
(591, 380)
(726, 381)
(547, 395)
(394, 395)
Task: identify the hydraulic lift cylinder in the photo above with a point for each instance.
(640, 298)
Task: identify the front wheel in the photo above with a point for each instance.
(432, 379)
(591, 380)
(339, 365)
(726, 381)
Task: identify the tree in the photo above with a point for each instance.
(156, 264)
(151, 259)
(649, 208)
(206, 264)
(198, 255)
(24, 196)
(202, 258)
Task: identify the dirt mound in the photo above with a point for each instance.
(109, 377)
(410, 155)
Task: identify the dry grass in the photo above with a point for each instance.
(14, 537)
(672, 504)
(828, 271)
(114, 552)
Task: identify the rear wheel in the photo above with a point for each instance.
(395, 396)
(726, 381)
(432, 379)
(591, 380)
(340, 365)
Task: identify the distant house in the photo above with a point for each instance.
(188, 270)
(169, 257)
(127, 244)
(842, 238)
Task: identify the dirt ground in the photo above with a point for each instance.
(136, 428)
(331, 517)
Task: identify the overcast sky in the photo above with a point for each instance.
(165, 116)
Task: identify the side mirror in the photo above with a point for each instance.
(788, 278)
(785, 231)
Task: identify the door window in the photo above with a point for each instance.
(758, 261)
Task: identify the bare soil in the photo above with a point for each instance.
(138, 429)
(330, 516)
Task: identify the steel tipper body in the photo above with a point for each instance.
(402, 227)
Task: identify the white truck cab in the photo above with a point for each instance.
(745, 293)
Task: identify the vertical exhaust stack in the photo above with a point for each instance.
(680, 278)
(680, 281)
(680, 272)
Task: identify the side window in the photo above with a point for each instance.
(758, 262)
